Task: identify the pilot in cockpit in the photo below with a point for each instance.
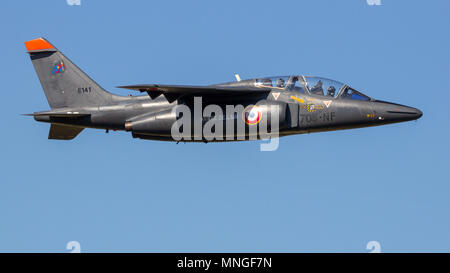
(280, 83)
(331, 91)
(317, 89)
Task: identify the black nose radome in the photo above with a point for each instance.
(419, 113)
(393, 112)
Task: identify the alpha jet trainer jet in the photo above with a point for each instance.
(303, 104)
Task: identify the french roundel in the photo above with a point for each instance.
(252, 115)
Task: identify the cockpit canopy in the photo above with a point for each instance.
(315, 86)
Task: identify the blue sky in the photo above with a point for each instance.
(331, 191)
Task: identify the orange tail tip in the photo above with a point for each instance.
(38, 44)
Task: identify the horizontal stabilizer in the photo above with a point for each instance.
(59, 114)
(63, 132)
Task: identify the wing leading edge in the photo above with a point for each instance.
(173, 92)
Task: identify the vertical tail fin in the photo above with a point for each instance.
(64, 84)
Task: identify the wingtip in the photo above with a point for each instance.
(38, 44)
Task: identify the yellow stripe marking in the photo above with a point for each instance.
(297, 99)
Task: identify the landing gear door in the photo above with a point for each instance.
(292, 115)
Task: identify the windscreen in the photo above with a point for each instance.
(351, 94)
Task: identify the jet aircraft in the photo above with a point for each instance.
(304, 104)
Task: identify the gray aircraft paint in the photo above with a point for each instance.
(78, 102)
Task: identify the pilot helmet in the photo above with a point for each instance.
(331, 90)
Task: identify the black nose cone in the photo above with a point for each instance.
(392, 112)
(419, 113)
